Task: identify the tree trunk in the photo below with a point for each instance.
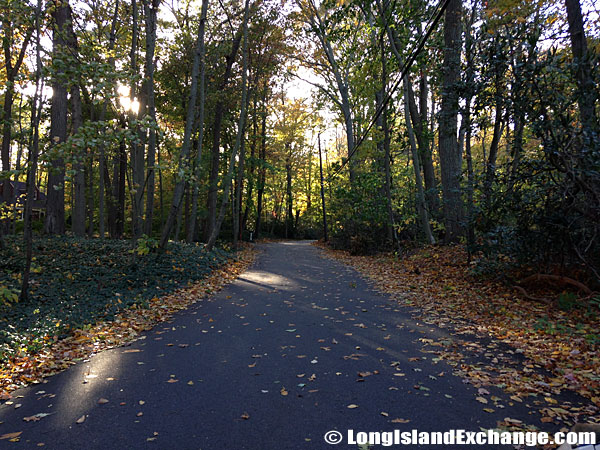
(588, 93)
(262, 173)
(243, 223)
(421, 206)
(448, 144)
(490, 172)
(325, 235)
(137, 149)
(55, 203)
(289, 217)
(150, 13)
(78, 215)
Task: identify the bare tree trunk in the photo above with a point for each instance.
(78, 210)
(137, 149)
(120, 225)
(240, 132)
(237, 200)
(55, 203)
(421, 206)
(588, 93)
(244, 220)
(469, 75)
(262, 172)
(448, 146)
(325, 235)
(150, 13)
(490, 172)
(79, 160)
(289, 217)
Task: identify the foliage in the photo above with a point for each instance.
(359, 215)
(79, 281)
(8, 296)
(145, 245)
(546, 212)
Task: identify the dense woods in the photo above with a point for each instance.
(387, 124)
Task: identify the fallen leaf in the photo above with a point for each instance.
(11, 435)
(400, 420)
(283, 391)
(352, 406)
(81, 419)
(102, 401)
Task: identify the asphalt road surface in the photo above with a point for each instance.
(298, 346)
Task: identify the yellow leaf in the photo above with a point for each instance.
(11, 435)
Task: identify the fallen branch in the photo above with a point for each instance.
(530, 297)
(557, 279)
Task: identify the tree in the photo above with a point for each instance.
(450, 157)
(202, 89)
(240, 132)
(150, 15)
(187, 138)
(55, 206)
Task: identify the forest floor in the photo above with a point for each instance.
(561, 342)
(90, 295)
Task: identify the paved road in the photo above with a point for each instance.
(270, 362)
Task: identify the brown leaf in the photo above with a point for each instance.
(81, 419)
(11, 435)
